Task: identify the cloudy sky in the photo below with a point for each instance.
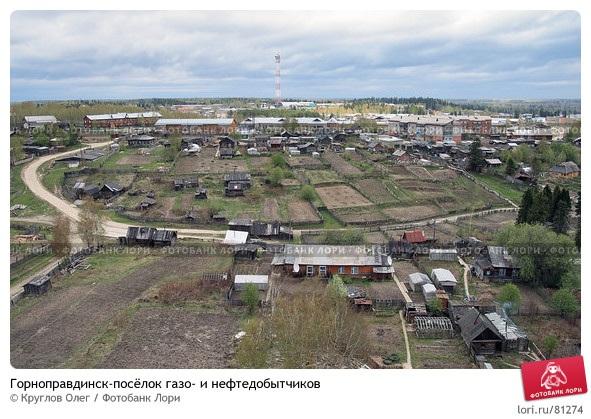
(324, 54)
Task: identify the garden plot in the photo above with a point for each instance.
(412, 213)
(206, 162)
(341, 196)
(360, 215)
(302, 212)
(135, 160)
(270, 210)
(297, 162)
(340, 165)
(420, 172)
(444, 175)
(165, 338)
(319, 177)
(400, 172)
(82, 309)
(376, 192)
(258, 163)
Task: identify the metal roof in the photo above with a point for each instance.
(235, 237)
(123, 115)
(506, 328)
(566, 167)
(440, 276)
(251, 279)
(321, 255)
(500, 258)
(47, 119)
(194, 122)
(418, 279)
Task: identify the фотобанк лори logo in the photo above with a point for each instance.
(554, 378)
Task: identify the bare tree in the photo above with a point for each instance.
(60, 240)
(90, 224)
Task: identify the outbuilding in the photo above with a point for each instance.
(417, 280)
(444, 279)
(261, 281)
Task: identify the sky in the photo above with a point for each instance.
(57, 55)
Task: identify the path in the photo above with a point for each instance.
(408, 364)
(111, 228)
(466, 271)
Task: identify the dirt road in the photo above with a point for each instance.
(112, 228)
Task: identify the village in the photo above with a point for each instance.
(207, 228)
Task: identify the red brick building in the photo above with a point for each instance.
(119, 120)
(219, 126)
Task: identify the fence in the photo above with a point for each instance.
(20, 258)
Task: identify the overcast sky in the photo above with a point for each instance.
(324, 54)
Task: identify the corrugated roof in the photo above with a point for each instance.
(417, 236)
(194, 122)
(320, 255)
(440, 275)
(122, 115)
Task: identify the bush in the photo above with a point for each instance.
(550, 344)
(307, 193)
(510, 298)
(565, 302)
(250, 296)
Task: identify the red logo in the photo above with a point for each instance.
(554, 378)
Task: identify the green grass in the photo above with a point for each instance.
(502, 186)
(29, 267)
(20, 194)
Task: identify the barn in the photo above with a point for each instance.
(417, 280)
(38, 285)
(444, 279)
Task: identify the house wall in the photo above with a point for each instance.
(363, 271)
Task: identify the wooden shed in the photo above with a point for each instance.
(38, 285)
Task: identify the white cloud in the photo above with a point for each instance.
(158, 50)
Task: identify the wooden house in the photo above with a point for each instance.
(200, 193)
(235, 189)
(401, 155)
(141, 140)
(496, 263)
(375, 147)
(417, 236)
(38, 285)
(567, 169)
(371, 261)
(164, 238)
(246, 251)
(185, 183)
(148, 236)
(109, 190)
(147, 203)
(479, 334)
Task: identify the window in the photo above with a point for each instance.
(354, 270)
(341, 270)
(322, 270)
(310, 270)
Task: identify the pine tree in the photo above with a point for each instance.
(525, 207)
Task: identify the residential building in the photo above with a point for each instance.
(495, 262)
(567, 169)
(363, 261)
(118, 120)
(219, 126)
